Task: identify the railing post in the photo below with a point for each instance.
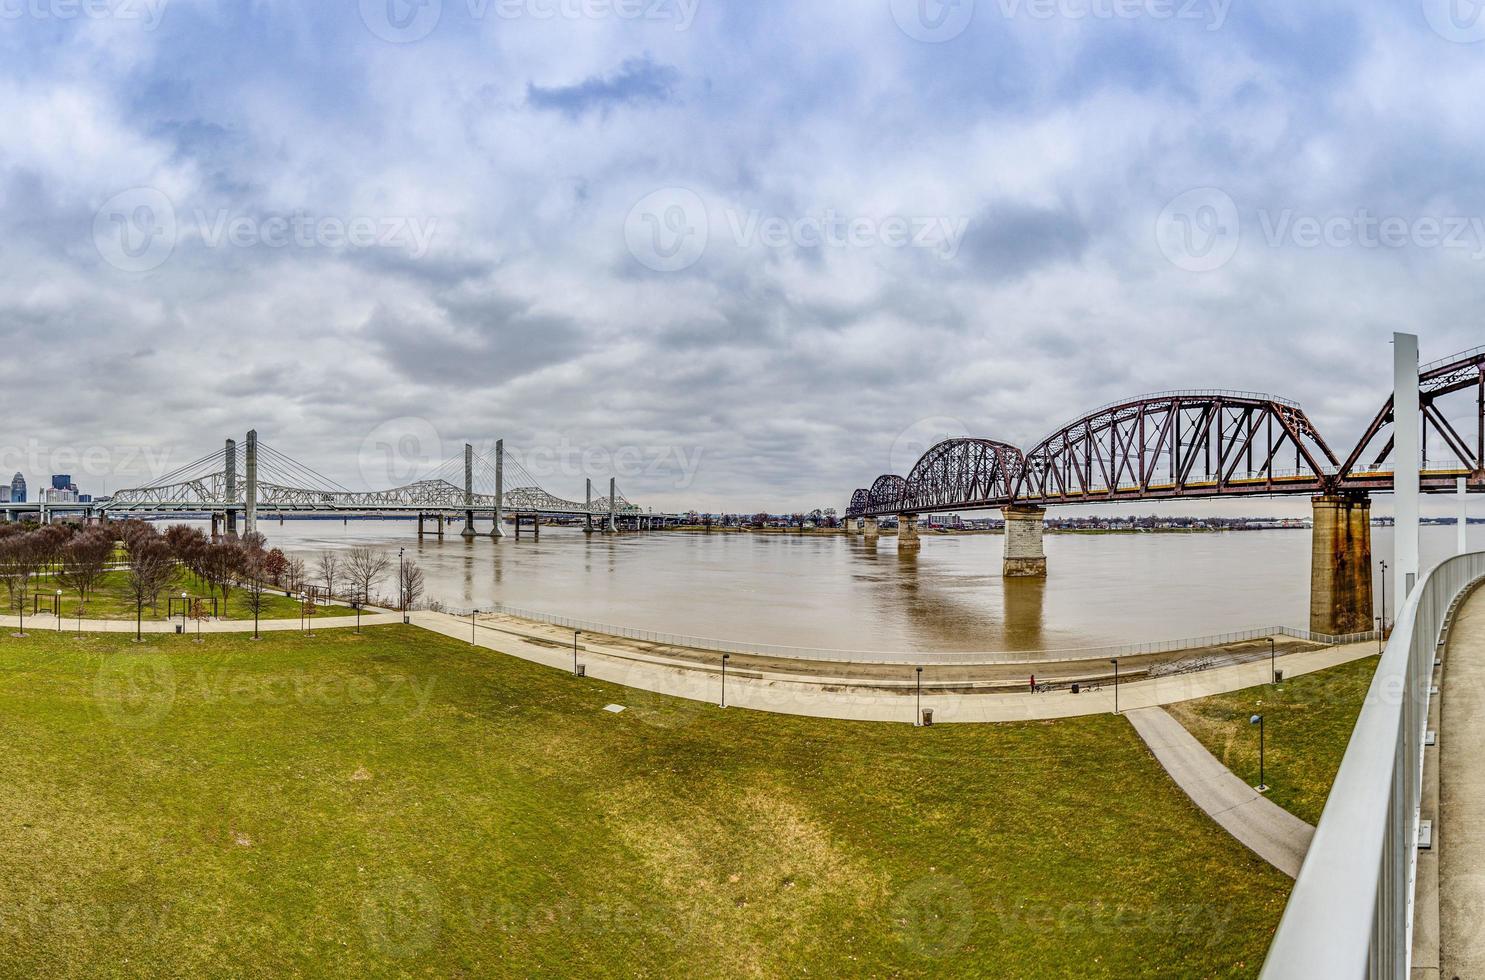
(1405, 455)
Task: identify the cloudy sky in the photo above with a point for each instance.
(749, 253)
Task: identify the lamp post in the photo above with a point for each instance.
(359, 603)
(575, 635)
(918, 720)
(1379, 634)
(1273, 664)
(1262, 786)
(402, 585)
(183, 613)
(1384, 597)
(139, 619)
(59, 610)
(725, 657)
(1115, 662)
(472, 613)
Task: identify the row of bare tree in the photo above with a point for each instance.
(78, 558)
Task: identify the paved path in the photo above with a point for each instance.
(1266, 829)
(1459, 832)
(48, 624)
(826, 697)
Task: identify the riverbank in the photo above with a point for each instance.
(395, 803)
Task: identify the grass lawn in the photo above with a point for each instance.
(112, 600)
(398, 804)
(1307, 724)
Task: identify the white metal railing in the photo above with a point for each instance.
(1351, 911)
(915, 658)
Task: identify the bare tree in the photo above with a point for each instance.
(21, 558)
(151, 569)
(83, 560)
(330, 571)
(254, 571)
(294, 575)
(220, 567)
(412, 584)
(365, 568)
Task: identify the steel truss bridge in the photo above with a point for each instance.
(1193, 444)
(253, 479)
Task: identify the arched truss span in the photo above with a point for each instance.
(1453, 436)
(1180, 444)
(968, 473)
(886, 494)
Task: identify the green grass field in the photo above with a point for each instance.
(398, 804)
(1307, 725)
(112, 600)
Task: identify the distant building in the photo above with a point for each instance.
(4, 493)
(18, 489)
(53, 495)
(62, 481)
(85, 498)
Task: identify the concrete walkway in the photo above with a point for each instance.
(1459, 831)
(826, 697)
(48, 624)
(1266, 829)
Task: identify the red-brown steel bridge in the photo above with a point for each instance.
(1194, 444)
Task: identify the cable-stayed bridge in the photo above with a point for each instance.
(251, 479)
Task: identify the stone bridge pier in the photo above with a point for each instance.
(1341, 564)
(1024, 556)
(907, 532)
(872, 529)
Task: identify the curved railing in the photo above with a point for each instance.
(1350, 914)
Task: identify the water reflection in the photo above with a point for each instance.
(850, 593)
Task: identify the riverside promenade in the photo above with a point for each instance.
(822, 695)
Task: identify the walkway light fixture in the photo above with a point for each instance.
(59, 610)
(725, 657)
(183, 613)
(575, 635)
(1379, 634)
(1115, 662)
(1262, 786)
(472, 613)
(1273, 664)
(918, 719)
(1384, 597)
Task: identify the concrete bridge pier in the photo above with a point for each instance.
(873, 529)
(1341, 564)
(1024, 555)
(588, 520)
(468, 531)
(231, 488)
(498, 531)
(907, 532)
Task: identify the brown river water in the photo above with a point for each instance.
(838, 592)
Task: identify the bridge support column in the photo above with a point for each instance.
(907, 532)
(1024, 555)
(613, 506)
(439, 519)
(499, 530)
(872, 529)
(231, 488)
(468, 531)
(250, 498)
(1341, 564)
(588, 519)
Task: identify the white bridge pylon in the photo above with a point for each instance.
(254, 478)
